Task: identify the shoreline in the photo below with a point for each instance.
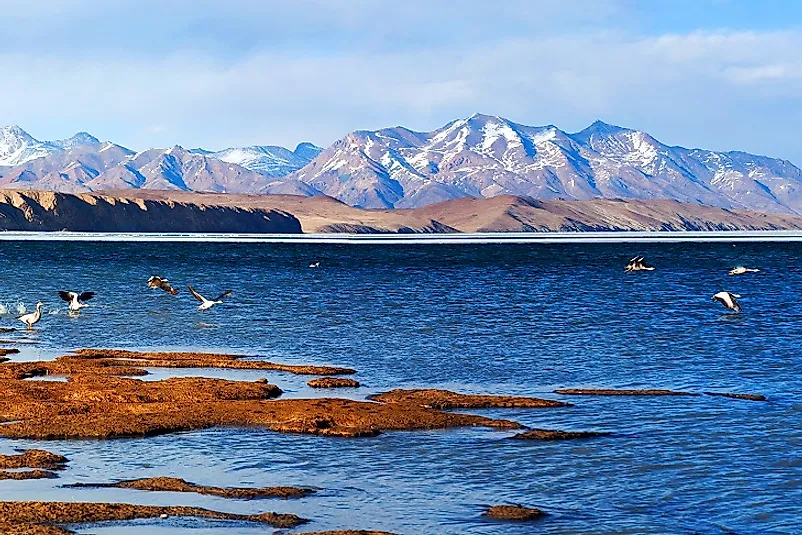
(592, 237)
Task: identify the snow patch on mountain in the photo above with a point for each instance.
(486, 156)
(269, 160)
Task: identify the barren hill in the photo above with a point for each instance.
(498, 214)
(49, 211)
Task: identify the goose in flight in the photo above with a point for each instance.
(76, 300)
(162, 283)
(33, 317)
(637, 264)
(206, 304)
(729, 300)
(740, 270)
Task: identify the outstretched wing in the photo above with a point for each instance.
(86, 296)
(224, 295)
(736, 306)
(66, 296)
(195, 294)
(167, 287)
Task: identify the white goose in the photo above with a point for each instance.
(740, 270)
(728, 300)
(33, 317)
(314, 265)
(206, 304)
(76, 300)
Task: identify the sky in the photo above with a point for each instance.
(715, 74)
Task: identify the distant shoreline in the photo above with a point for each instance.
(596, 237)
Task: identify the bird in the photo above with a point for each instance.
(729, 300)
(33, 317)
(314, 265)
(637, 264)
(76, 300)
(740, 270)
(162, 283)
(206, 304)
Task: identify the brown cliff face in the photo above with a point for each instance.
(504, 213)
(50, 211)
(181, 211)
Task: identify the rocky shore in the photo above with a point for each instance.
(103, 399)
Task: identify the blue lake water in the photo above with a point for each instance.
(503, 319)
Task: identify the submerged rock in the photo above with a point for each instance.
(28, 474)
(747, 397)
(204, 360)
(34, 459)
(549, 434)
(514, 512)
(45, 517)
(620, 392)
(95, 403)
(444, 399)
(172, 484)
(333, 382)
(346, 532)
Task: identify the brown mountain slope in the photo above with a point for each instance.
(521, 214)
(50, 211)
(498, 214)
(179, 211)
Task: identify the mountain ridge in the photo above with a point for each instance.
(484, 156)
(481, 156)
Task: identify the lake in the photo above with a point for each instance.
(508, 318)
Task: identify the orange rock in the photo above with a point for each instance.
(444, 399)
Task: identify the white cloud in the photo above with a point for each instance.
(716, 89)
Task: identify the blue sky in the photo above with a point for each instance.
(718, 74)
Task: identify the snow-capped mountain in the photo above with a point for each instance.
(481, 156)
(81, 139)
(111, 167)
(485, 156)
(17, 146)
(178, 169)
(272, 161)
(82, 163)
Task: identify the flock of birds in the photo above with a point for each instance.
(728, 299)
(76, 301)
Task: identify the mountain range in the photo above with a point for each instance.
(480, 156)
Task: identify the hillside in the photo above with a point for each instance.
(499, 214)
(50, 211)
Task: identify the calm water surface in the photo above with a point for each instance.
(504, 319)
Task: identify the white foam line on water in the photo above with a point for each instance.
(417, 239)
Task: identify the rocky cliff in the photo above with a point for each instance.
(49, 211)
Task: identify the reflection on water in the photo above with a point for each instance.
(487, 319)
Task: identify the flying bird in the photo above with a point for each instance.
(728, 300)
(162, 283)
(33, 317)
(314, 265)
(76, 300)
(637, 264)
(740, 270)
(206, 304)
